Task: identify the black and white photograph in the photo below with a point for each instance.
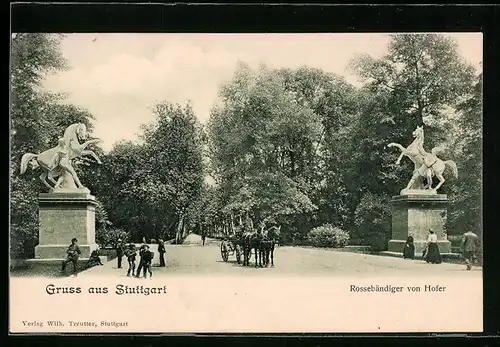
(203, 182)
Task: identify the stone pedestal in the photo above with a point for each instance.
(415, 214)
(63, 215)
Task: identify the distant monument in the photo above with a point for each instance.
(68, 209)
(419, 208)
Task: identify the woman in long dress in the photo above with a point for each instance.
(432, 256)
(409, 249)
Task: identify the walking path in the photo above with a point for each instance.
(194, 259)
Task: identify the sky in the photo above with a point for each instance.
(119, 77)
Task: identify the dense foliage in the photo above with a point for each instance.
(328, 236)
(301, 148)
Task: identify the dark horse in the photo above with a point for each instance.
(252, 240)
(269, 240)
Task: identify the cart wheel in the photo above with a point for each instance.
(238, 254)
(223, 251)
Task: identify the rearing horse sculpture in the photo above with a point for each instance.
(73, 149)
(426, 164)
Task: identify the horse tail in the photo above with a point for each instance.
(453, 167)
(26, 158)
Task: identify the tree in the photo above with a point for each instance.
(466, 201)
(152, 188)
(425, 75)
(262, 137)
(37, 120)
(421, 80)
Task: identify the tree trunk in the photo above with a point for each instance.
(179, 228)
(184, 230)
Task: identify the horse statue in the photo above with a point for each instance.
(269, 240)
(56, 162)
(427, 165)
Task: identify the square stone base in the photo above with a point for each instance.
(415, 214)
(63, 216)
(59, 251)
(397, 246)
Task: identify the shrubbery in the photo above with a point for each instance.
(328, 236)
(109, 237)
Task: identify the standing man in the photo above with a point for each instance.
(119, 252)
(73, 253)
(161, 250)
(141, 260)
(469, 248)
(130, 253)
(147, 259)
(203, 236)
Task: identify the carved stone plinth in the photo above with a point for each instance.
(62, 216)
(415, 214)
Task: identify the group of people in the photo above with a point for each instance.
(73, 254)
(145, 258)
(128, 250)
(431, 254)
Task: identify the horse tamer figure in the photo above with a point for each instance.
(57, 161)
(427, 165)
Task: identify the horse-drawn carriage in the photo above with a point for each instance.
(232, 245)
(244, 245)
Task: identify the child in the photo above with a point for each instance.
(94, 259)
(130, 254)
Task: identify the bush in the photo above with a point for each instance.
(456, 240)
(109, 237)
(328, 236)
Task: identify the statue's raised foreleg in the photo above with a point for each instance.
(403, 151)
(92, 154)
(89, 142)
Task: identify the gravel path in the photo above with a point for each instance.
(193, 258)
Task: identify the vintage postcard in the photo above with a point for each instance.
(236, 183)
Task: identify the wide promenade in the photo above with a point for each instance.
(193, 258)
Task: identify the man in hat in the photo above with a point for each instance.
(130, 253)
(73, 252)
(469, 248)
(147, 259)
(161, 251)
(119, 252)
(141, 260)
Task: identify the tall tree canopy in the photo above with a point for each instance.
(298, 147)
